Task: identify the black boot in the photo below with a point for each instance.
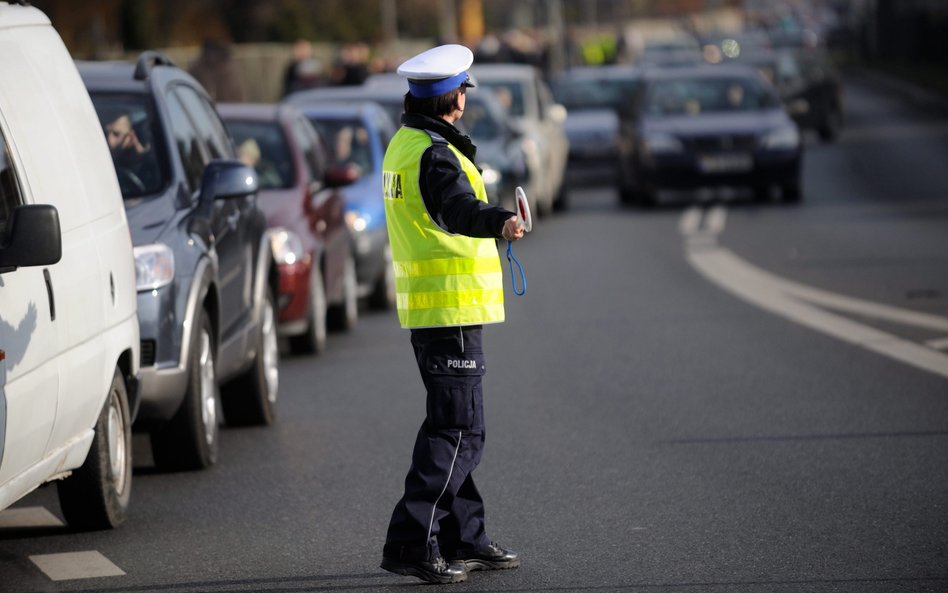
(433, 571)
(490, 557)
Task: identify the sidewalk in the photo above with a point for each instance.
(920, 86)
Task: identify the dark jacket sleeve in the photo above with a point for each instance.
(450, 199)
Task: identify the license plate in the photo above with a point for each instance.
(726, 163)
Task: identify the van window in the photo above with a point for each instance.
(130, 128)
(10, 196)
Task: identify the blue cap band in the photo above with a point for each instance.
(426, 90)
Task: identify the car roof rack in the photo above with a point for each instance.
(148, 60)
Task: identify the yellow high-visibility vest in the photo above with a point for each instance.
(441, 279)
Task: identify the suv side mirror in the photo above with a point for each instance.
(225, 179)
(34, 238)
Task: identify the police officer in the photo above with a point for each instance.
(449, 284)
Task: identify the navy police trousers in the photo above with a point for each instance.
(441, 512)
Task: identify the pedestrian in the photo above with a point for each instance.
(449, 284)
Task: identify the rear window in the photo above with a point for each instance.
(693, 96)
(509, 93)
(263, 146)
(132, 132)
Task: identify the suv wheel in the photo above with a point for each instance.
(344, 316)
(250, 398)
(313, 341)
(190, 439)
(96, 495)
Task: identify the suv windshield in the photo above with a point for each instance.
(263, 146)
(130, 128)
(693, 96)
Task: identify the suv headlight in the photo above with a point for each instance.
(782, 139)
(661, 144)
(286, 246)
(154, 266)
(357, 220)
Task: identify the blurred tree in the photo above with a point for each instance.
(137, 24)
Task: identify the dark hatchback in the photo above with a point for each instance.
(202, 257)
(708, 126)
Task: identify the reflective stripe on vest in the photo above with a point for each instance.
(441, 279)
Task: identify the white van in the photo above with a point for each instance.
(69, 344)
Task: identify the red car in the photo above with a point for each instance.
(305, 211)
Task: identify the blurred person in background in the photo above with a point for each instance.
(215, 69)
(304, 71)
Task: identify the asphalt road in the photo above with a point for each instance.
(724, 397)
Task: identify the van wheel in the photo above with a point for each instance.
(313, 341)
(250, 399)
(190, 439)
(344, 316)
(96, 495)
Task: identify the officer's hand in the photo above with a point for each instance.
(513, 230)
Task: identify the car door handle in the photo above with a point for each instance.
(49, 293)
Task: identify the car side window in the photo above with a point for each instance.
(208, 124)
(314, 167)
(10, 196)
(187, 143)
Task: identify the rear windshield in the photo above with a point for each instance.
(132, 132)
(263, 146)
(348, 141)
(593, 93)
(509, 93)
(693, 96)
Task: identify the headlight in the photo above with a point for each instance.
(154, 266)
(782, 139)
(357, 221)
(490, 175)
(286, 246)
(662, 144)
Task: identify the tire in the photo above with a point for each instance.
(561, 203)
(344, 316)
(250, 399)
(313, 341)
(96, 495)
(383, 295)
(190, 440)
(791, 193)
(830, 127)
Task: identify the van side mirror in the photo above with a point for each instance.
(34, 238)
(225, 179)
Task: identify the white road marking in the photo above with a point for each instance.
(76, 565)
(938, 344)
(27, 517)
(714, 223)
(690, 221)
(795, 302)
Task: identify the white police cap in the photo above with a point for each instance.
(438, 70)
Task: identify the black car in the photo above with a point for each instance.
(594, 97)
(708, 126)
(202, 257)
